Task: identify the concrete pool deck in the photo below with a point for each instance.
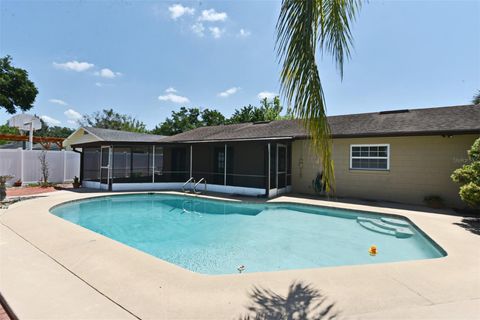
(53, 269)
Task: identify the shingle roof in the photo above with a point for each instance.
(122, 136)
(443, 120)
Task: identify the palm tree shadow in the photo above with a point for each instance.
(471, 224)
(302, 302)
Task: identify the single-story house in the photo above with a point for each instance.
(400, 155)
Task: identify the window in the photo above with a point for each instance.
(370, 157)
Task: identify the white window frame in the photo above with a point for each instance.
(370, 145)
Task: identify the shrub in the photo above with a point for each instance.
(468, 176)
(434, 201)
(44, 168)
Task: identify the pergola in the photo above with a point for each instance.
(46, 142)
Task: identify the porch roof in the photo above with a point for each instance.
(91, 135)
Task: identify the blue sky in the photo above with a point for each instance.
(146, 58)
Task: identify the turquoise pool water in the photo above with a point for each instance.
(216, 237)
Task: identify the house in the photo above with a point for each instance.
(401, 155)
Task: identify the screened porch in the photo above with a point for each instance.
(255, 168)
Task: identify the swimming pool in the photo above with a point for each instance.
(216, 237)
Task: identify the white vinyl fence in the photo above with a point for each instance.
(24, 165)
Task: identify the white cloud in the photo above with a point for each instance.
(50, 121)
(177, 10)
(198, 29)
(266, 94)
(107, 73)
(244, 33)
(212, 15)
(72, 115)
(103, 84)
(74, 66)
(172, 97)
(228, 92)
(58, 101)
(216, 32)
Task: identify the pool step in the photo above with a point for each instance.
(387, 228)
(395, 222)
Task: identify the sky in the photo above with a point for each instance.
(147, 58)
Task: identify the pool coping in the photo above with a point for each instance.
(141, 286)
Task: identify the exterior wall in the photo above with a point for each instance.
(77, 137)
(419, 166)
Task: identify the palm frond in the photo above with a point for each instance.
(302, 26)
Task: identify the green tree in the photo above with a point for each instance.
(476, 98)
(271, 109)
(303, 27)
(245, 114)
(268, 111)
(187, 119)
(468, 176)
(54, 131)
(6, 129)
(109, 119)
(16, 90)
(212, 117)
(183, 120)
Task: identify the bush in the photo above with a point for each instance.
(468, 176)
(434, 201)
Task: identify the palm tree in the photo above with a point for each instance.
(476, 98)
(303, 27)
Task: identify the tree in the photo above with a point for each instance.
(55, 131)
(16, 90)
(187, 119)
(182, 120)
(6, 129)
(476, 98)
(245, 114)
(271, 109)
(302, 26)
(212, 117)
(109, 119)
(468, 176)
(44, 168)
(268, 111)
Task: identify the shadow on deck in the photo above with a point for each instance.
(301, 302)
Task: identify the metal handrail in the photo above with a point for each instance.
(187, 182)
(196, 184)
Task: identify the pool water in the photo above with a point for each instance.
(216, 237)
